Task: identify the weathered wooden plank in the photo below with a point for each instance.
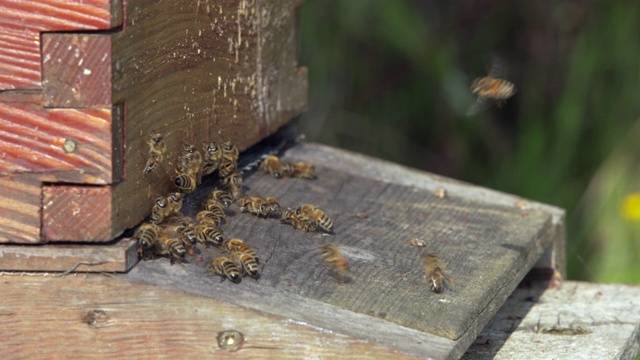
(20, 209)
(66, 145)
(487, 248)
(112, 318)
(21, 23)
(358, 164)
(76, 213)
(115, 257)
(576, 321)
(76, 70)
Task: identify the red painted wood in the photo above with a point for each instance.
(20, 202)
(21, 23)
(32, 139)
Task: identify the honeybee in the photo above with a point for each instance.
(233, 179)
(323, 220)
(208, 234)
(156, 151)
(238, 245)
(435, 273)
(272, 165)
(185, 183)
(211, 218)
(160, 210)
(246, 262)
(227, 167)
(304, 170)
(213, 206)
(307, 225)
(173, 247)
(174, 200)
(254, 205)
(306, 212)
(274, 205)
(336, 260)
(233, 190)
(190, 162)
(417, 242)
(211, 161)
(227, 269)
(230, 151)
(222, 196)
(147, 235)
(492, 87)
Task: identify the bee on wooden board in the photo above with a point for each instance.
(208, 235)
(238, 245)
(336, 260)
(435, 273)
(226, 268)
(254, 205)
(213, 206)
(233, 179)
(222, 196)
(304, 170)
(147, 235)
(307, 225)
(173, 247)
(492, 87)
(272, 165)
(307, 213)
(246, 262)
(190, 162)
(211, 218)
(274, 205)
(156, 151)
(174, 200)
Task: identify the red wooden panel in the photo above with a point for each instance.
(76, 213)
(73, 145)
(21, 23)
(20, 209)
(76, 70)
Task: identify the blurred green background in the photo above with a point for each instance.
(390, 78)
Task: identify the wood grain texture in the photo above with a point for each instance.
(21, 23)
(20, 209)
(609, 312)
(198, 71)
(76, 213)
(76, 70)
(487, 248)
(115, 257)
(112, 318)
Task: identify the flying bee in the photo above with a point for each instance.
(492, 87)
(254, 205)
(435, 273)
(227, 269)
(167, 245)
(211, 161)
(304, 170)
(222, 196)
(208, 234)
(238, 245)
(147, 235)
(246, 262)
(156, 151)
(174, 200)
(211, 217)
(274, 205)
(336, 260)
(185, 183)
(160, 210)
(323, 220)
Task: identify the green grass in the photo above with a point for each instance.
(391, 79)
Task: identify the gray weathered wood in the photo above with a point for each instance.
(488, 248)
(600, 322)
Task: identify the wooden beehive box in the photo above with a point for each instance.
(84, 83)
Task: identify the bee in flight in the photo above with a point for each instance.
(492, 87)
(336, 260)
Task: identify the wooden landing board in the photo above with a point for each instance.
(99, 317)
(119, 256)
(487, 247)
(599, 321)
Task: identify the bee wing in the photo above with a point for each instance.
(499, 67)
(481, 104)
